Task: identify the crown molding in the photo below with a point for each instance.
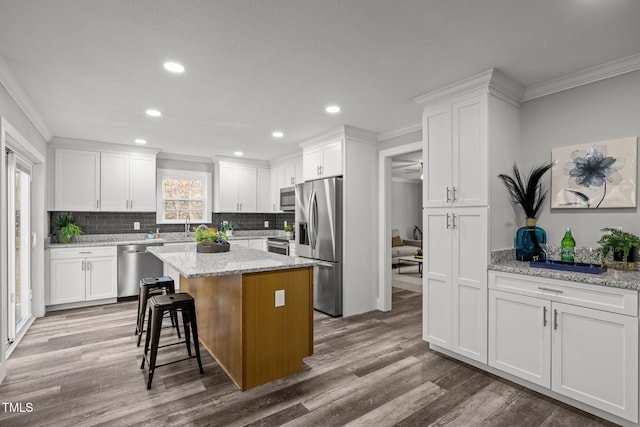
(499, 84)
(17, 93)
(343, 131)
(580, 78)
(400, 131)
(110, 147)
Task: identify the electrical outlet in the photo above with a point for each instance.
(266, 224)
(280, 298)
(285, 223)
(136, 225)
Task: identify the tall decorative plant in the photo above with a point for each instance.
(530, 196)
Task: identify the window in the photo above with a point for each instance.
(183, 194)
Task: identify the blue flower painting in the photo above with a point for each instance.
(595, 176)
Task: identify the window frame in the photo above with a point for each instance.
(185, 174)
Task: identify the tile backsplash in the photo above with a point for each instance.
(122, 222)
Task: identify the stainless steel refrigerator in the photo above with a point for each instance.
(319, 237)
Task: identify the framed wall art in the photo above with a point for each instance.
(595, 176)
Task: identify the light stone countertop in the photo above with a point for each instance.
(141, 238)
(239, 260)
(612, 278)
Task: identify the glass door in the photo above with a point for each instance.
(19, 245)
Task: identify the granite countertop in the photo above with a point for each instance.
(612, 278)
(239, 260)
(140, 238)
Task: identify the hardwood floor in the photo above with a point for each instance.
(82, 367)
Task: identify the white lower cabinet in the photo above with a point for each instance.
(580, 341)
(82, 274)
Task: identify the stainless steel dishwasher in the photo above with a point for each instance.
(135, 263)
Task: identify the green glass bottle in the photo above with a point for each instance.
(567, 247)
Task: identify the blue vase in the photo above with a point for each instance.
(528, 242)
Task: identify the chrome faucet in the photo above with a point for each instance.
(187, 225)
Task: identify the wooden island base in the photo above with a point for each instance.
(254, 341)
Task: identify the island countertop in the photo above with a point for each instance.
(239, 260)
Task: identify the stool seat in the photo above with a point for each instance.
(158, 305)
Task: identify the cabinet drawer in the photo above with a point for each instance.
(85, 252)
(614, 300)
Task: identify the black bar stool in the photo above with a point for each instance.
(150, 286)
(158, 305)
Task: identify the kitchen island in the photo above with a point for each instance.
(255, 336)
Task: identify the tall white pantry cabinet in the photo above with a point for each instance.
(470, 135)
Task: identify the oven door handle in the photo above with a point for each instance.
(278, 244)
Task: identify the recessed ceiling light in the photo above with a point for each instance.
(140, 141)
(153, 113)
(277, 134)
(174, 67)
(332, 109)
(237, 153)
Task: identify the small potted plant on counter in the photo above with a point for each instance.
(227, 228)
(66, 229)
(289, 230)
(209, 240)
(624, 246)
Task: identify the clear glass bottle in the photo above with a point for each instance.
(567, 247)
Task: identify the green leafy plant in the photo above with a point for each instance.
(528, 193)
(617, 241)
(209, 235)
(288, 228)
(227, 226)
(69, 231)
(63, 221)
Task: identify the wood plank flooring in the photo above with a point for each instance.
(82, 367)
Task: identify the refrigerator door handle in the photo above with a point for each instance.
(310, 216)
(324, 264)
(314, 208)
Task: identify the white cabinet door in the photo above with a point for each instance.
(67, 281)
(228, 188)
(469, 282)
(437, 316)
(289, 175)
(142, 184)
(470, 152)
(77, 180)
(595, 358)
(239, 242)
(311, 162)
(101, 278)
(299, 178)
(277, 176)
(520, 336)
(264, 190)
(332, 159)
(437, 152)
(247, 189)
(114, 182)
(258, 244)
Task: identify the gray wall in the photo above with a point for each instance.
(600, 111)
(406, 207)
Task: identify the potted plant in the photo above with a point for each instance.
(66, 229)
(623, 245)
(289, 230)
(530, 195)
(209, 240)
(227, 228)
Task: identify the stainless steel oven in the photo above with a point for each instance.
(278, 246)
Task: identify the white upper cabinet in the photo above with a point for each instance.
(456, 153)
(264, 190)
(128, 182)
(321, 161)
(104, 181)
(77, 180)
(237, 188)
(277, 177)
(292, 173)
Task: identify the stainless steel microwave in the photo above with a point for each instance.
(288, 199)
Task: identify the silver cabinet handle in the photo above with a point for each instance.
(97, 204)
(84, 252)
(550, 290)
(83, 261)
(448, 220)
(544, 316)
(453, 223)
(88, 265)
(454, 194)
(555, 319)
(448, 197)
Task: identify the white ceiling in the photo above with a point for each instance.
(91, 67)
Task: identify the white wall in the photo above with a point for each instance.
(406, 207)
(600, 111)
